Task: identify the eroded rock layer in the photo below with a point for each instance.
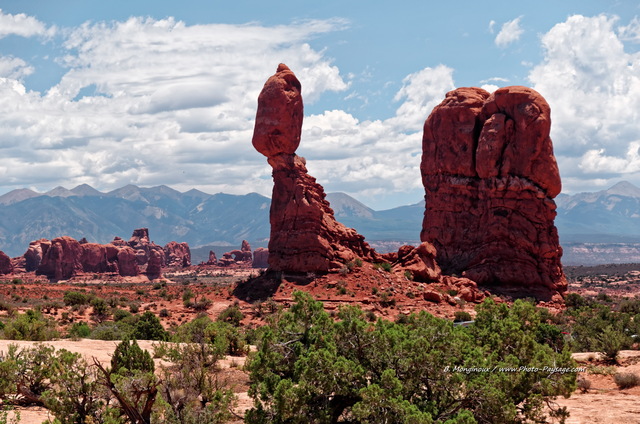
(305, 237)
(490, 177)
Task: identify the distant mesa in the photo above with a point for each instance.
(490, 177)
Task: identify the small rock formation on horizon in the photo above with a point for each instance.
(260, 258)
(241, 258)
(177, 254)
(305, 236)
(490, 177)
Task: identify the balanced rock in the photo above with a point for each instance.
(490, 177)
(305, 237)
(5, 264)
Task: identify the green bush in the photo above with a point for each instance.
(231, 315)
(461, 316)
(110, 330)
(310, 368)
(128, 357)
(73, 298)
(30, 326)
(148, 327)
(79, 330)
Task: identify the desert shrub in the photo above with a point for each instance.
(26, 373)
(129, 357)
(461, 316)
(311, 368)
(100, 309)
(148, 327)
(631, 306)
(79, 330)
(120, 314)
(72, 298)
(584, 385)
(30, 326)
(134, 308)
(574, 300)
(597, 328)
(110, 330)
(626, 380)
(385, 266)
(191, 389)
(76, 394)
(164, 313)
(201, 304)
(231, 315)
(187, 295)
(192, 331)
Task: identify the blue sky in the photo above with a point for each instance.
(149, 93)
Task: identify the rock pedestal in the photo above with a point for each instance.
(305, 237)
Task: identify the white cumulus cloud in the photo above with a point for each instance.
(22, 25)
(592, 83)
(510, 32)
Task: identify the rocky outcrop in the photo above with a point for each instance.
(490, 177)
(33, 255)
(94, 258)
(305, 237)
(260, 258)
(177, 254)
(6, 266)
(154, 267)
(127, 262)
(139, 242)
(61, 258)
(213, 260)
(419, 261)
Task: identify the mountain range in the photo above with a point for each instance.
(604, 218)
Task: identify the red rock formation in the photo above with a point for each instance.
(213, 260)
(260, 258)
(5, 264)
(177, 254)
(94, 258)
(419, 261)
(154, 267)
(127, 262)
(490, 178)
(60, 258)
(33, 255)
(305, 237)
(227, 259)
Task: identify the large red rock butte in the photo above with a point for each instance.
(490, 177)
(305, 236)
